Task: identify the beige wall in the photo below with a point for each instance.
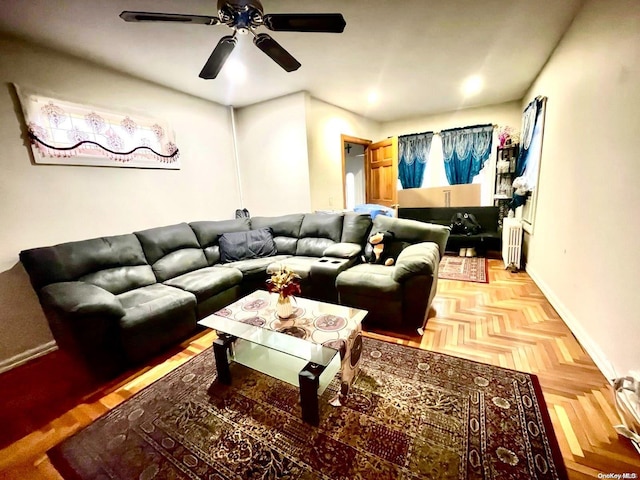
(272, 156)
(503, 114)
(44, 204)
(325, 124)
(584, 249)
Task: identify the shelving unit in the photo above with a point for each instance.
(505, 174)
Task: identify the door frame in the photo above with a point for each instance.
(358, 141)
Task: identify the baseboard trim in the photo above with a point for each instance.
(30, 354)
(590, 346)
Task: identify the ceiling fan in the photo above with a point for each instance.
(245, 16)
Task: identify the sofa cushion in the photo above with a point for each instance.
(319, 231)
(208, 232)
(369, 280)
(300, 265)
(285, 229)
(172, 250)
(207, 282)
(246, 245)
(254, 266)
(152, 297)
(322, 225)
(120, 279)
(282, 226)
(79, 298)
(160, 241)
(343, 250)
(313, 247)
(286, 245)
(156, 316)
(356, 228)
(412, 231)
(70, 261)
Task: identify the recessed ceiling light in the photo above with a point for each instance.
(472, 85)
(373, 97)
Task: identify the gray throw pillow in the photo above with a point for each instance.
(246, 245)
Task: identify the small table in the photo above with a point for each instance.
(301, 350)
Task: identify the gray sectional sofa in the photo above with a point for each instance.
(116, 301)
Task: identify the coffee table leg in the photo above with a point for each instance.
(309, 382)
(221, 346)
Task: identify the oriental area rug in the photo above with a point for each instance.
(411, 414)
(467, 269)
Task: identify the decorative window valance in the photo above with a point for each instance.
(465, 152)
(63, 132)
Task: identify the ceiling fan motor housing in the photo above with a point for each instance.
(242, 15)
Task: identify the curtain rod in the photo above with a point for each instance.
(450, 130)
(468, 127)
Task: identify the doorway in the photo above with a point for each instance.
(354, 171)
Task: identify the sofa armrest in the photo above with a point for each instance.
(412, 231)
(343, 250)
(81, 298)
(417, 259)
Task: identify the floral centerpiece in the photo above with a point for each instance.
(286, 283)
(507, 136)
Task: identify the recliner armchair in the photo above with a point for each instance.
(398, 296)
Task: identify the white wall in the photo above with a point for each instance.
(355, 163)
(48, 204)
(325, 124)
(272, 156)
(503, 114)
(584, 249)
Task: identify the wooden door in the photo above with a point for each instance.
(382, 172)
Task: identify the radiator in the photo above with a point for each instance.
(512, 242)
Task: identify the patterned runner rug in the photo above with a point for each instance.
(412, 414)
(467, 269)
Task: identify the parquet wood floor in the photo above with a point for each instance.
(507, 322)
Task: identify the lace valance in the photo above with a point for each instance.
(63, 132)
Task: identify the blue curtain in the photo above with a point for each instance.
(465, 152)
(530, 150)
(530, 120)
(413, 153)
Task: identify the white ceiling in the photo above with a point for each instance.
(416, 53)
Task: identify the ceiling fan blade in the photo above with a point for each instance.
(274, 50)
(305, 22)
(168, 17)
(218, 57)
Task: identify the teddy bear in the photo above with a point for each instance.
(520, 186)
(520, 193)
(378, 249)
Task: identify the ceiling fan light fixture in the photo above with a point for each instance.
(235, 70)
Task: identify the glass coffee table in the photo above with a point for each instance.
(306, 350)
